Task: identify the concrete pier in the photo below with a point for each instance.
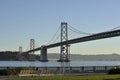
(43, 56)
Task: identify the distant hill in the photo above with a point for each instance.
(88, 57)
(12, 56)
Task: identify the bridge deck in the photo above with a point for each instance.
(97, 36)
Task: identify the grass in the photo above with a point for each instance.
(95, 77)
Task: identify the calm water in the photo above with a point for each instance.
(57, 64)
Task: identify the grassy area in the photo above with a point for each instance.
(95, 77)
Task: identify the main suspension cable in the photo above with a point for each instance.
(54, 36)
(78, 31)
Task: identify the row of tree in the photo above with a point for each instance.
(12, 56)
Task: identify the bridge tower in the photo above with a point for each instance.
(19, 53)
(64, 49)
(20, 49)
(64, 54)
(32, 46)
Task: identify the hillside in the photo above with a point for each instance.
(12, 56)
(9, 55)
(88, 57)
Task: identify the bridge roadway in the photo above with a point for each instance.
(97, 36)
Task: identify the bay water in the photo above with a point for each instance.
(57, 64)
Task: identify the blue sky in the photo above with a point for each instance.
(21, 20)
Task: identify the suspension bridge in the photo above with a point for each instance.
(64, 42)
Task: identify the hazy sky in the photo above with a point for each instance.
(21, 20)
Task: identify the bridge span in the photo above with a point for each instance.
(97, 36)
(102, 35)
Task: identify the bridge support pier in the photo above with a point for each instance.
(43, 56)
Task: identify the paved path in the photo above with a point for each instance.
(3, 78)
(7, 77)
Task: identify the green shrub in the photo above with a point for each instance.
(8, 72)
(3, 72)
(21, 68)
(115, 70)
(11, 72)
